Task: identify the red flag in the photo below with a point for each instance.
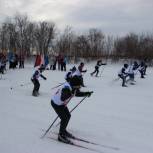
(38, 60)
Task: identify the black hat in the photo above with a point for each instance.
(75, 81)
(42, 67)
(73, 69)
(126, 65)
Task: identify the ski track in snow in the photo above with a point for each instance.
(112, 116)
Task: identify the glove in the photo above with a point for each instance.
(89, 93)
(45, 78)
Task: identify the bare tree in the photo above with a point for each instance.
(12, 36)
(108, 47)
(96, 41)
(29, 38)
(44, 33)
(146, 47)
(81, 46)
(4, 37)
(21, 29)
(65, 41)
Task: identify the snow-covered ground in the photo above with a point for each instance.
(113, 116)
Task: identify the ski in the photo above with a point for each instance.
(93, 143)
(77, 145)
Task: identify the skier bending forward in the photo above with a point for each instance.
(59, 103)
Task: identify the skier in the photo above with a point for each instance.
(79, 72)
(145, 68)
(142, 69)
(69, 74)
(135, 65)
(132, 70)
(123, 74)
(35, 81)
(59, 103)
(99, 63)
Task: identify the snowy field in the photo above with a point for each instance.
(113, 116)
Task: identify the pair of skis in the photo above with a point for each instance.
(85, 141)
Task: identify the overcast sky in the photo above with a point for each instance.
(116, 17)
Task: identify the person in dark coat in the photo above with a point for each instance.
(123, 74)
(142, 69)
(99, 63)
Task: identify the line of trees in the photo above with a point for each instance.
(19, 34)
(134, 46)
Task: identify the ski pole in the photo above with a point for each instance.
(21, 85)
(25, 84)
(58, 85)
(49, 128)
(76, 106)
(116, 79)
(54, 121)
(101, 72)
(102, 69)
(104, 65)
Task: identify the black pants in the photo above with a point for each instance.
(131, 77)
(11, 65)
(2, 68)
(95, 71)
(21, 64)
(59, 66)
(51, 67)
(64, 114)
(63, 66)
(145, 69)
(36, 85)
(123, 79)
(82, 82)
(142, 73)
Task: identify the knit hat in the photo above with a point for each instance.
(73, 69)
(42, 67)
(126, 65)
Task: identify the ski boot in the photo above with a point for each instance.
(69, 135)
(63, 138)
(34, 93)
